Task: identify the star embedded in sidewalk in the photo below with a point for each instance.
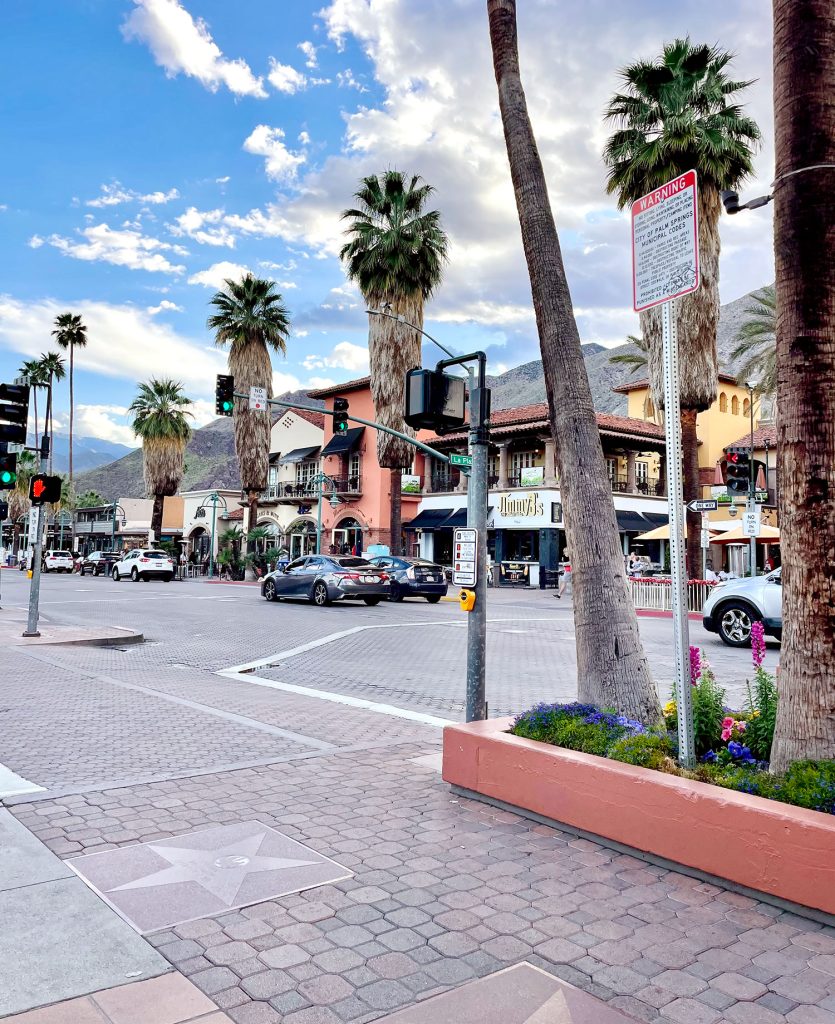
(220, 871)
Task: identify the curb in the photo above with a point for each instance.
(94, 641)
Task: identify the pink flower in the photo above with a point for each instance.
(741, 726)
(757, 643)
(727, 723)
(726, 734)
(695, 665)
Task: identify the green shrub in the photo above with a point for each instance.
(575, 734)
(761, 715)
(708, 711)
(808, 784)
(745, 779)
(646, 750)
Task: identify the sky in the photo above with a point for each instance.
(153, 148)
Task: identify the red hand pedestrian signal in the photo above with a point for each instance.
(44, 489)
(38, 487)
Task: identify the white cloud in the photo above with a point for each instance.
(282, 164)
(115, 194)
(347, 80)
(122, 248)
(197, 224)
(283, 382)
(309, 50)
(166, 304)
(222, 181)
(215, 275)
(304, 138)
(345, 356)
(3, 207)
(100, 421)
(267, 265)
(181, 43)
(35, 242)
(319, 382)
(285, 78)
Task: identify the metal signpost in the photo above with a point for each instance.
(460, 460)
(665, 265)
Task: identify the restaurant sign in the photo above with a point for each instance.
(525, 509)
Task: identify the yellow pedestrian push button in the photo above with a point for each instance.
(466, 600)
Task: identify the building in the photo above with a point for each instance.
(125, 525)
(207, 512)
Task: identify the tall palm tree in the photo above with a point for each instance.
(27, 466)
(636, 360)
(804, 226)
(70, 334)
(52, 369)
(252, 319)
(612, 669)
(395, 255)
(757, 340)
(89, 499)
(160, 419)
(678, 113)
(33, 373)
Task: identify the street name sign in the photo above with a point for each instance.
(703, 505)
(460, 460)
(464, 557)
(665, 243)
(257, 399)
(751, 522)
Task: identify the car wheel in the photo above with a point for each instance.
(433, 598)
(269, 591)
(168, 577)
(320, 595)
(395, 592)
(735, 621)
(371, 601)
(114, 575)
(134, 575)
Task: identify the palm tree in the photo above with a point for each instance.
(676, 114)
(757, 341)
(612, 669)
(27, 466)
(804, 226)
(160, 420)
(89, 499)
(634, 360)
(32, 372)
(252, 319)
(395, 256)
(70, 333)
(52, 369)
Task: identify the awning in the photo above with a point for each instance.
(656, 518)
(429, 519)
(631, 522)
(274, 458)
(457, 519)
(340, 444)
(299, 454)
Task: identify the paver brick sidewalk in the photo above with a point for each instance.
(446, 889)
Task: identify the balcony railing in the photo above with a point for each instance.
(291, 492)
(651, 486)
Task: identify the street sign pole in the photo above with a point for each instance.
(675, 505)
(35, 585)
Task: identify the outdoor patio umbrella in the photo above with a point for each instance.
(768, 535)
(659, 533)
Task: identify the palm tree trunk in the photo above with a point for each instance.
(72, 404)
(396, 484)
(35, 403)
(253, 497)
(692, 491)
(612, 669)
(804, 225)
(156, 517)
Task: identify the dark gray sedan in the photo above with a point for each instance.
(322, 579)
(413, 577)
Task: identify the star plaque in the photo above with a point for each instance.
(158, 884)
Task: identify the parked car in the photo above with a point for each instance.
(144, 564)
(57, 561)
(413, 577)
(322, 579)
(733, 606)
(99, 563)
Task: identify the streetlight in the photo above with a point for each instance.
(320, 479)
(117, 508)
(216, 501)
(752, 483)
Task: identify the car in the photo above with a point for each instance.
(57, 561)
(733, 606)
(413, 577)
(322, 579)
(99, 563)
(144, 564)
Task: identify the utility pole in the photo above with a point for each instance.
(37, 555)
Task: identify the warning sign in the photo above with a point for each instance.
(665, 243)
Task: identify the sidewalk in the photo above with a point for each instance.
(13, 624)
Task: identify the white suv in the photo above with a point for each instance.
(733, 606)
(57, 561)
(144, 564)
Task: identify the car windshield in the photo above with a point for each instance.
(353, 563)
(62, 554)
(154, 554)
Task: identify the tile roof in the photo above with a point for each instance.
(236, 513)
(337, 389)
(316, 418)
(766, 434)
(643, 382)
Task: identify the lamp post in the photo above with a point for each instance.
(752, 482)
(117, 508)
(215, 501)
(320, 479)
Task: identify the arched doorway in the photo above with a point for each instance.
(346, 534)
(301, 538)
(274, 538)
(200, 542)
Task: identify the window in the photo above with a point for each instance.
(746, 407)
(521, 460)
(354, 466)
(305, 471)
(735, 406)
(641, 472)
(612, 469)
(723, 402)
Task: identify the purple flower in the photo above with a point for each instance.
(757, 643)
(710, 757)
(695, 665)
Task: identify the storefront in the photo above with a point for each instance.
(300, 539)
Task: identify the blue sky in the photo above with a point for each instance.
(153, 147)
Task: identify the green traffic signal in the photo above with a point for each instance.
(8, 471)
(7, 478)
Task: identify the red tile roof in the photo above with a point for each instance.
(236, 513)
(762, 435)
(316, 418)
(643, 382)
(337, 389)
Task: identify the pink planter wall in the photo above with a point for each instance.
(765, 845)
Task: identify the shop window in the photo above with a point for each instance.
(735, 406)
(723, 402)
(612, 469)
(642, 472)
(354, 466)
(305, 471)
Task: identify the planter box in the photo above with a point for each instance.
(772, 847)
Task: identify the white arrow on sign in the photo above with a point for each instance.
(703, 505)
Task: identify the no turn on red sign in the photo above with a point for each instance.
(665, 243)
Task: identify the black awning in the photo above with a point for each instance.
(274, 458)
(340, 444)
(656, 518)
(299, 454)
(632, 522)
(457, 519)
(429, 519)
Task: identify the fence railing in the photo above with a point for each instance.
(657, 595)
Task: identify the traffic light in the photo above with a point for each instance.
(436, 400)
(44, 489)
(14, 412)
(8, 472)
(225, 395)
(4, 510)
(738, 471)
(340, 415)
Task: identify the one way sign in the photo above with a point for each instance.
(703, 505)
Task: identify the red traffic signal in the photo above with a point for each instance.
(738, 471)
(44, 489)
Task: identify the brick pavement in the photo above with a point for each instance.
(447, 889)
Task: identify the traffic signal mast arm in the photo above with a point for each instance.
(355, 419)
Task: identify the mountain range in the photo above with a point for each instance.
(210, 456)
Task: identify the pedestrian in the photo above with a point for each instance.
(710, 575)
(566, 583)
(633, 565)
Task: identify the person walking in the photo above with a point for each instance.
(566, 583)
